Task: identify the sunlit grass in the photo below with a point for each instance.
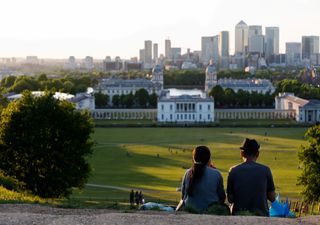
(157, 158)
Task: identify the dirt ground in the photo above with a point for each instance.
(18, 214)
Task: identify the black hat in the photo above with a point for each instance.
(250, 145)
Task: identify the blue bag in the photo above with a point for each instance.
(279, 209)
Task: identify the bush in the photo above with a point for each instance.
(10, 183)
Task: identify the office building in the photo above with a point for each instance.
(256, 44)
(272, 41)
(175, 54)
(168, 49)
(293, 53)
(241, 38)
(72, 65)
(224, 50)
(88, 63)
(155, 52)
(147, 54)
(207, 45)
(310, 45)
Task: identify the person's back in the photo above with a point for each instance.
(207, 191)
(250, 182)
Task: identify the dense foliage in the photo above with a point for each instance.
(68, 83)
(309, 156)
(302, 90)
(184, 77)
(228, 98)
(45, 143)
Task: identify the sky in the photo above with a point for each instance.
(100, 28)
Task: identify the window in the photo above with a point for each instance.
(193, 117)
(170, 116)
(208, 116)
(208, 106)
(189, 116)
(171, 107)
(185, 116)
(162, 107)
(200, 117)
(200, 107)
(162, 117)
(177, 116)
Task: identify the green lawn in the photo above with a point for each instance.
(156, 158)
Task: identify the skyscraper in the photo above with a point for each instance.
(256, 39)
(272, 41)
(224, 49)
(155, 52)
(310, 45)
(216, 49)
(293, 53)
(206, 49)
(147, 54)
(167, 49)
(241, 38)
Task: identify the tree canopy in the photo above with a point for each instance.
(45, 142)
(309, 156)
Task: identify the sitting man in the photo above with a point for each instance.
(250, 184)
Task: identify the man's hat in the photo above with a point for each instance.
(250, 145)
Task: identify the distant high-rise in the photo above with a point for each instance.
(147, 54)
(141, 55)
(310, 46)
(254, 30)
(256, 44)
(72, 63)
(272, 41)
(155, 52)
(255, 39)
(241, 38)
(167, 49)
(175, 54)
(216, 49)
(293, 53)
(206, 49)
(224, 49)
(88, 63)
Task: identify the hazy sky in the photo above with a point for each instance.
(60, 28)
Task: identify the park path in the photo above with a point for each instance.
(123, 188)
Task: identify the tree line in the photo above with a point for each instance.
(68, 84)
(140, 99)
(228, 98)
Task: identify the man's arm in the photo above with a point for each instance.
(271, 194)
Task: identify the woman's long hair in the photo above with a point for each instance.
(201, 156)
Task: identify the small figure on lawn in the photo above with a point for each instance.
(131, 198)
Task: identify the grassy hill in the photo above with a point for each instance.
(155, 159)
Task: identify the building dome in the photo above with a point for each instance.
(157, 69)
(211, 69)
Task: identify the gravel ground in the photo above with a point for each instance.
(15, 214)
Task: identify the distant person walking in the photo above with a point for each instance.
(202, 185)
(131, 198)
(141, 200)
(250, 184)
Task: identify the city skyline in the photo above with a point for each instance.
(58, 29)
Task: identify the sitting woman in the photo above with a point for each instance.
(202, 185)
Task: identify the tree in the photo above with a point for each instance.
(116, 101)
(153, 100)
(45, 142)
(309, 156)
(101, 100)
(217, 93)
(141, 97)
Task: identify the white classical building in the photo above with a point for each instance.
(306, 111)
(251, 85)
(115, 86)
(187, 106)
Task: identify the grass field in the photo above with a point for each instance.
(155, 159)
